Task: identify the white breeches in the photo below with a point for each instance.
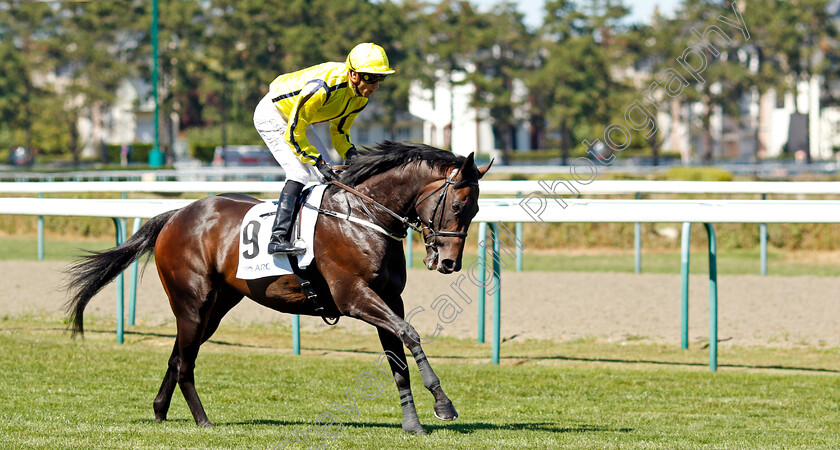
(272, 127)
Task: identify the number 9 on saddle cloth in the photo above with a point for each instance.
(255, 231)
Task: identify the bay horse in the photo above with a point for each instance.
(357, 271)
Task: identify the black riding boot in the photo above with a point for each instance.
(283, 221)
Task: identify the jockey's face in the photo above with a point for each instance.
(364, 87)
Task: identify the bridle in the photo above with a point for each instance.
(417, 223)
(444, 190)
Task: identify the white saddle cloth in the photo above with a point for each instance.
(255, 232)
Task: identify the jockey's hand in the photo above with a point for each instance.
(351, 153)
(325, 169)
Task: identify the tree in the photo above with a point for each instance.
(574, 89)
(793, 41)
(224, 56)
(394, 21)
(25, 27)
(90, 51)
(16, 85)
(502, 56)
(447, 42)
(726, 78)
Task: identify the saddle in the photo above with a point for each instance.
(256, 263)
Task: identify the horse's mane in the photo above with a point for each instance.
(388, 155)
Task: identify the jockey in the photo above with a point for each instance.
(333, 91)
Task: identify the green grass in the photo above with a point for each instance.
(24, 248)
(16, 248)
(732, 262)
(59, 393)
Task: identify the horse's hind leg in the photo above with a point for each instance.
(190, 332)
(411, 339)
(225, 300)
(167, 387)
(399, 368)
(405, 334)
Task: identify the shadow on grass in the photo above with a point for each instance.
(151, 421)
(463, 428)
(601, 360)
(667, 363)
(138, 333)
(467, 428)
(173, 336)
(465, 358)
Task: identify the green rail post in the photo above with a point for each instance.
(124, 227)
(156, 157)
(684, 264)
(713, 297)
(763, 233)
(497, 294)
(763, 238)
(519, 238)
(482, 277)
(637, 241)
(118, 224)
(132, 286)
(40, 233)
(296, 334)
(713, 300)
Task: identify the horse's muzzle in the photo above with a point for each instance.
(448, 266)
(433, 261)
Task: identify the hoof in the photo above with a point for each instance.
(446, 411)
(206, 424)
(160, 412)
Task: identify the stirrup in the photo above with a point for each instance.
(285, 248)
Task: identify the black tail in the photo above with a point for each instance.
(91, 273)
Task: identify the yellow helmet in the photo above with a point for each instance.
(369, 58)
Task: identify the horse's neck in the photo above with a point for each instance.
(398, 190)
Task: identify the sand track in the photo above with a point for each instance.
(753, 310)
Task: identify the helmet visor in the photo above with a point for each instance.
(372, 78)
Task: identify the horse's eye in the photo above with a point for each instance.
(456, 207)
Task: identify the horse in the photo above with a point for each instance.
(357, 271)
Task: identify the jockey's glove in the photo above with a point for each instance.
(351, 153)
(325, 169)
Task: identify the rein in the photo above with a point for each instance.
(416, 225)
(404, 220)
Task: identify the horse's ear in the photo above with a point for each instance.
(468, 163)
(483, 169)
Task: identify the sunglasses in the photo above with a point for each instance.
(372, 78)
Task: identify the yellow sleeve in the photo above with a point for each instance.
(309, 101)
(340, 131)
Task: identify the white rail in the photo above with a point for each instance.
(503, 210)
(567, 189)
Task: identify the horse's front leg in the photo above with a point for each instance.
(394, 330)
(443, 405)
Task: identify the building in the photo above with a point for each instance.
(449, 121)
